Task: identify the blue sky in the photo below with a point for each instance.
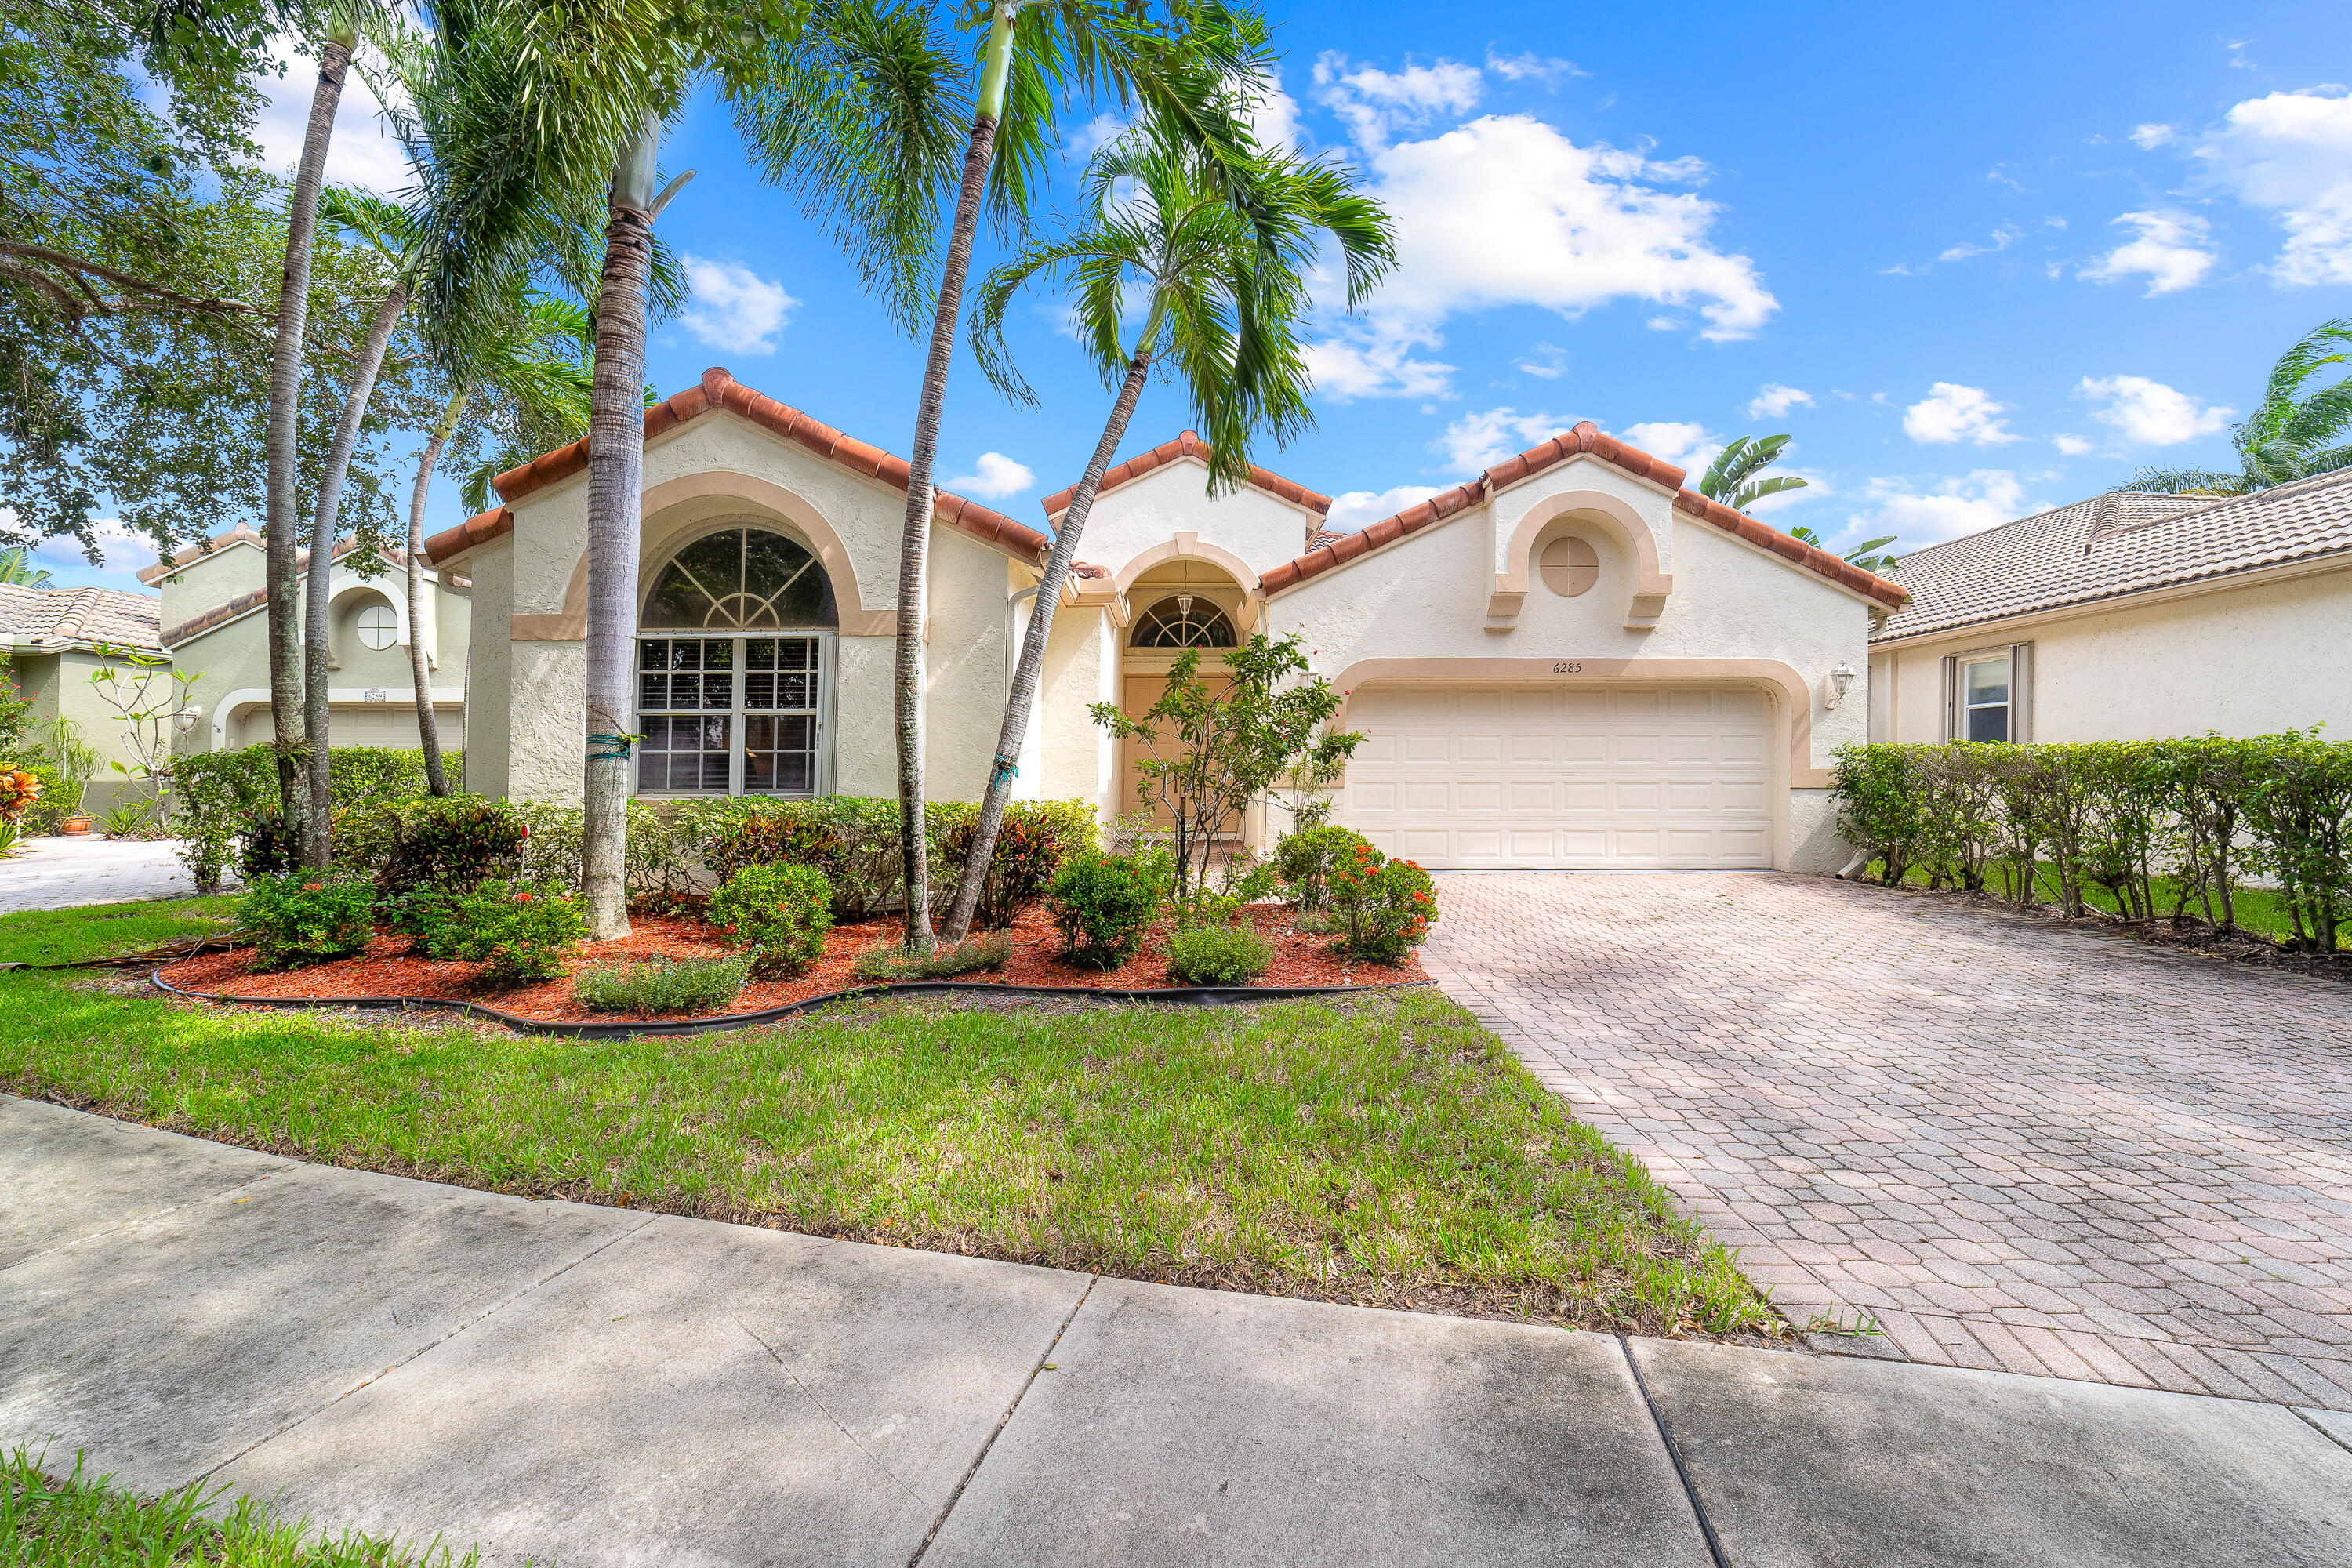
(1979, 260)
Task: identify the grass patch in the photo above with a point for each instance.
(102, 930)
(990, 949)
(77, 1523)
(663, 985)
(2259, 910)
(1381, 1148)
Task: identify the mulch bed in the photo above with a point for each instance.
(388, 969)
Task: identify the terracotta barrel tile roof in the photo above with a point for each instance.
(1331, 550)
(720, 390)
(1188, 443)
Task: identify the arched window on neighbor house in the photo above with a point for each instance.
(1183, 621)
(731, 659)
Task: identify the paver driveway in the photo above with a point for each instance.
(2022, 1145)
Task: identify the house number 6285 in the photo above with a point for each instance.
(1569, 668)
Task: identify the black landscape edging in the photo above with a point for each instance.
(1180, 996)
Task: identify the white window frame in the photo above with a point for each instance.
(360, 625)
(2020, 690)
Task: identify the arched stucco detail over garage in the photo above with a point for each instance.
(1610, 516)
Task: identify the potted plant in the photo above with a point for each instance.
(71, 761)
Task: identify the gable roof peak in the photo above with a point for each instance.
(1188, 443)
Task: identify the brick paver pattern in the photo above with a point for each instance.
(2020, 1145)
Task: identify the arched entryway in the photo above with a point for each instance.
(735, 653)
(1185, 604)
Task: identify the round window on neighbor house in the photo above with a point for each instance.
(378, 627)
(1570, 567)
(1184, 620)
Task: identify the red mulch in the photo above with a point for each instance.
(387, 970)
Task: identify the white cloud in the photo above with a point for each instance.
(1954, 413)
(1361, 360)
(2237, 49)
(122, 554)
(995, 475)
(362, 152)
(1684, 443)
(1947, 509)
(1817, 486)
(1357, 508)
(2002, 238)
(1772, 400)
(2071, 446)
(733, 307)
(2170, 250)
(1478, 441)
(1532, 66)
(2291, 154)
(1092, 137)
(1375, 104)
(1274, 113)
(1547, 361)
(2151, 414)
(2151, 137)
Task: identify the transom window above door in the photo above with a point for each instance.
(742, 578)
(1183, 620)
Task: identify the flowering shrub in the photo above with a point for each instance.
(305, 917)
(771, 836)
(1385, 906)
(1305, 859)
(515, 930)
(1031, 842)
(781, 913)
(19, 788)
(1102, 905)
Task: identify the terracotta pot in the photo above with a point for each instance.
(74, 825)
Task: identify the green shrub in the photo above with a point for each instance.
(781, 913)
(776, 833)
(1387, 905)
(516, 931)
(988, 951)
(1304, 861)
(1104, 904)
(308, 917)
(267, 846)
(455, 844)
(663, 985)
(207, 815)
(426, 914)
(1218, 954)
(1031, 842)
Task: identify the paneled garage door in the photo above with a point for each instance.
(1568, 775)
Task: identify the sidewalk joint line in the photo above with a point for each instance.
(378, 1376)
(135, 1219)
(1674, 1452)
(956, 1496)
(2304, 1416)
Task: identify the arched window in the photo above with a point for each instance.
(1183, 620)
(723, 712)
(743, 578)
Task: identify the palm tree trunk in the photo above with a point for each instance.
(284, 523)
(319, 832)
(429, 727)
(1030, 668)
(914, 545)
(616, 456)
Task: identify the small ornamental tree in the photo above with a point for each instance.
(1212, 753)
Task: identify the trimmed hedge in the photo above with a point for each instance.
(2205, 813)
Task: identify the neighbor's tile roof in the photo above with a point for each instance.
(253, 599)
(2113, 545)
(718, 389)
(1333, 551)
(193, 554)
(68, 615)
(1188, 443)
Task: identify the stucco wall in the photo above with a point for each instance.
(2249, 661)
(58, 684)
(1262, 531)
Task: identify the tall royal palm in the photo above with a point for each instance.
(1034, 56)
(850, 105)
(1212, 260)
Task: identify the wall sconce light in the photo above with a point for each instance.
(1839, 679)
(184, 720)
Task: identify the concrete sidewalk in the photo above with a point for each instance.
(65, 872)
(585, 1385)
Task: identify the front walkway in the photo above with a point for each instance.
(2020, 1145)
(60, 872)
(595, 1386)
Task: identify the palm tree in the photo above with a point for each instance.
(1035, 55)
(848, 105)
(1222, 292)
(1731, 477)
(17, 569)
(1865, 556)
(2293, 434)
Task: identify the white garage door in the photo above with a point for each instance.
(357, 724)
(1567, 776)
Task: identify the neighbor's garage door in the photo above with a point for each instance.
(1568, 775)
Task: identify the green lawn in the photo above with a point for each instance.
(99, 930)
(2258, 911)
(1384, 1150)
(70, 1521)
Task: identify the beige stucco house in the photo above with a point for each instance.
(214, 624)
(56, 639)
(2128, 616)
(1570, 661)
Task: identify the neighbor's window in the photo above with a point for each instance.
(1984, 698)
(377, 625)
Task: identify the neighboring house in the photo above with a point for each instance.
(1570, 661)
(53, 636)
(2128, 616)
(215, 623)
